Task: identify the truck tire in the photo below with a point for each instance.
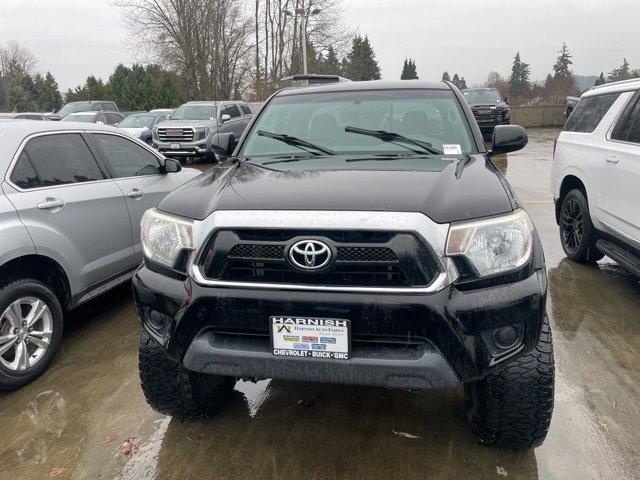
(512, 406)
(172, 389)
(577, 234)
(27, 343)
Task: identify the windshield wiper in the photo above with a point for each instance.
(291, 158)
(296, 142)
(393, 137)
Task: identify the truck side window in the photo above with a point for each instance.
(232, 110)
(245, 109)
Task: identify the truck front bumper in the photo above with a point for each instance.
(408, 341)
(487, 126)
(192, 149)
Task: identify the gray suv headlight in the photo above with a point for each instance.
(493, 245)
(165, 236)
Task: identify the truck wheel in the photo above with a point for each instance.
(30, 331)
(512, 406)
(577, 235)
(172, 389)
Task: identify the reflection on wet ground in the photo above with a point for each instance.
(86, 416)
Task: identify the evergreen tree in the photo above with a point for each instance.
(22, 94)
(621, 73)
(563, 62)
(463, 83)
(409, 71)
(446, 77)
(331, 63)
(519, 80)
(456, 80)
(48, 95)
(600, 80)
(361, 61)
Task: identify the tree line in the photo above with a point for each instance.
(218, 49)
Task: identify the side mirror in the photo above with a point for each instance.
(100, 122)
(225, 117)
(508, 138)
(171, 166)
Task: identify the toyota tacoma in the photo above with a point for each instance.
(360, 234)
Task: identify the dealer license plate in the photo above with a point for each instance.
(175, 146)
(311, 337)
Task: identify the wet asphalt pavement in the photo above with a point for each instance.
(86, 416)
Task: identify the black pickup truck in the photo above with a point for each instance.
(489, 108)
(359, 234)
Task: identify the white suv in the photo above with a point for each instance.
(595, 178)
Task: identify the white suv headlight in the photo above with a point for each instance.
(493, 245)
(164, 236)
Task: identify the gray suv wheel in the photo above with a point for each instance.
(30, 331)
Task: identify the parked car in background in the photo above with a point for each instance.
(86, 106)
(140, 124)
(595, 177)
(24, 116)
(166, 111)
(70, 210)
(489, 108)
(105, 118)
(362, 236)
(132, 112)
(255, 106)
(569, 104)
(202, 130)
(305, 80)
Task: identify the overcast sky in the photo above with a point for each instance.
(76, 38)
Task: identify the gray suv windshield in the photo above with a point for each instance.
(195, 112)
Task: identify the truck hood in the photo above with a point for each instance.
(134, 131)
(443, 191)
(188, 123)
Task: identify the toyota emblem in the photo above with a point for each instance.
(310, 254)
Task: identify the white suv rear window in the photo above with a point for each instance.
(588, 113)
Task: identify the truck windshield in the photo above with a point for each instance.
(195, 112)
(430, 116)
(88, 118)
(477, 96)
(74, 107)
(137, 121)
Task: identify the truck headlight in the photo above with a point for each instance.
(165, 236)
(201, 133)
(493, 245)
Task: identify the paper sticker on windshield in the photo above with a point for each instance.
(452, 149)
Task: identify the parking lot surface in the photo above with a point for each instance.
(86, 416)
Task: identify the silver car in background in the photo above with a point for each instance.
(71, 199)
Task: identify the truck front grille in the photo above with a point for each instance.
(175, 134)
(360, 258)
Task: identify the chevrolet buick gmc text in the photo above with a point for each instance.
(360, 234)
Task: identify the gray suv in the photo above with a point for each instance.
(202, 130)
(71, 199)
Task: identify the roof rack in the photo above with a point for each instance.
(619, 82)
